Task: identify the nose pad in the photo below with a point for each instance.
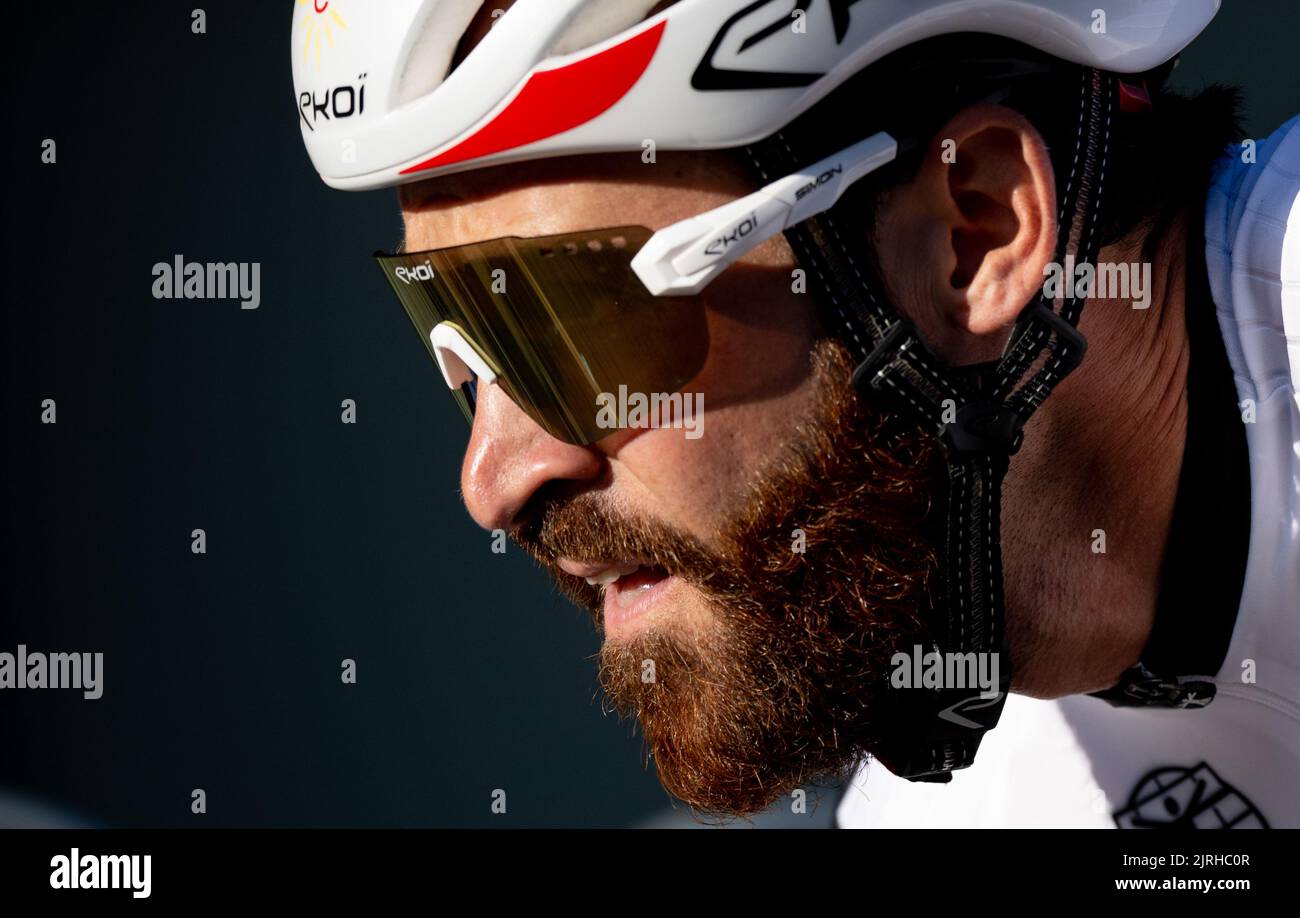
(461, 365)
(458, 359)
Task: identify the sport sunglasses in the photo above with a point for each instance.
(556, 321)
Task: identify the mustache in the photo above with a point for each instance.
(587, 528)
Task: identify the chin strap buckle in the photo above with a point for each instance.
(1141, 688)
(953, 722)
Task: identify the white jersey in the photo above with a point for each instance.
(1078, 761)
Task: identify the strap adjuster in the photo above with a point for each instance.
(898, 338)
(1071, 344)
(984, 427)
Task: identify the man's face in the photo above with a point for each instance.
(768, 568)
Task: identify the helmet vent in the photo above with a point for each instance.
(602, 19)
(430, 57)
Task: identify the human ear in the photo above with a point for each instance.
(963, 245)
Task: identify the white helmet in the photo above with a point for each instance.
(380, 103)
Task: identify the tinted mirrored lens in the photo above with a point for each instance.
(561, 319)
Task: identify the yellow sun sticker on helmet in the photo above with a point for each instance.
(318, 22)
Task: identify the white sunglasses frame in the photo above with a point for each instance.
(683, 258)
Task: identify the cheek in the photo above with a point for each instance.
(919, 270)
(756, 387)
(698, 485)
(761, 335)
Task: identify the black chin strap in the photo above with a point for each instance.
(977, 413)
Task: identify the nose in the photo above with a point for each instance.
(510, 458)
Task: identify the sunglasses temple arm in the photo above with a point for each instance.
(682, 258)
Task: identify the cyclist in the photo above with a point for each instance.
(857, 239)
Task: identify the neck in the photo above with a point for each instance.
(1088, 501)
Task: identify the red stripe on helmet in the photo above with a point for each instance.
(552, 101)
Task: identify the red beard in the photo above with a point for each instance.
(789, 683)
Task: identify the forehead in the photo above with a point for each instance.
(568, 194)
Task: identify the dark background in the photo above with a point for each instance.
(325, 540)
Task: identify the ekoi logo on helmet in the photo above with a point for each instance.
(320, 23)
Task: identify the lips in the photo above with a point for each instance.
(637, 581)
(601, 575)
(629, 588)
